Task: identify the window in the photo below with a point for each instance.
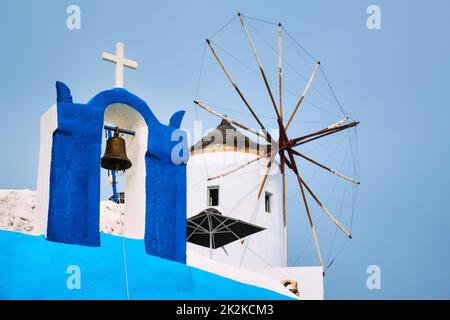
(267, 202)
(213, 196)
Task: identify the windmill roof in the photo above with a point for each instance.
(227, 138)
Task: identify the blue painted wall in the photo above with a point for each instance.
(32, 268)
(74, 204)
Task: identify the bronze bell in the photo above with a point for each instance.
(115, 157)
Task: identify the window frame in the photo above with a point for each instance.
(208, 195)
(268, 200)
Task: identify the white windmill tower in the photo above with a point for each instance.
(223, 150)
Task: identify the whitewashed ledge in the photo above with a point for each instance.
(110, 221)
(17, 210)
(18, 213)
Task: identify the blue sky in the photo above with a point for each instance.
(393, 80)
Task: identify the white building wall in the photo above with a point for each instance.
(49, 124)
(126, 117)
(238, 199)
(309, 279)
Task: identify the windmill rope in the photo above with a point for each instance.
(355, 190)
(246, 246)
(334, 95)
(200, 74)
(299, 45)
(333, 242)
(302, 252)
(290, 92)
(266, 116)
(223, 27)
(306, 79)
(199, 79)
(318, 169)
(260, 20)
(337, 255)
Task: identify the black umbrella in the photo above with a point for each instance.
(211, 229)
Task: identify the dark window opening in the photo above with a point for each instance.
(213, 196)
(267, 202)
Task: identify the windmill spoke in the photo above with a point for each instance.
(288, 163)
(313, 230)
(261, 187)
(258, 61)
(280, 72)
(331, 127)
(269, 165)
(326, 210)
(305, 91)
(338, 124)
(266, 155)
(233, 83)
(283, 198)
(224, 174)
(324, 167)
(322, 133)
(210, 110)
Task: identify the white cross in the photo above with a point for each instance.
(120, 62)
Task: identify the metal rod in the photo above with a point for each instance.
(210, 235)
(124, 131)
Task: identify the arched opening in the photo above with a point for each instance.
(155, 209)
(132, 182)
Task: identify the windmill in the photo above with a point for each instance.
(287, 148)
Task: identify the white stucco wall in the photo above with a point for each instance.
(309, 279)
(126, 117)
(18, 211)
(238, 199)
(49, 123)
(250, 277)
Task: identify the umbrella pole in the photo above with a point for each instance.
(210, 245)
(210, 235)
